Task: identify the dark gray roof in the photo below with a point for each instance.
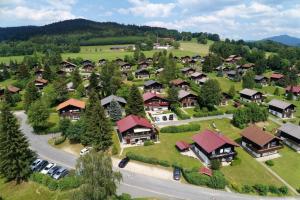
(248, 92)
(231, 72)
(279, 104)
(110, 98)
(141, 70)
(259, 77)
(150, 82)
(291, 129)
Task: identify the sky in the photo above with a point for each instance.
(235, 19)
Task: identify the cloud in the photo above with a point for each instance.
(147, 9)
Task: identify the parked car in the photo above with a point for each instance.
(41, 165)
(52, 171)
(35, 164)
(61, 172)
(176, 174)
(124, 162)
(85, 150)
(47, 168)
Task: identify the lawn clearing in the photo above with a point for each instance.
(196, 48)
(225, 83)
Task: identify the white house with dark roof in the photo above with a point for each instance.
(281, 109)
(249, 95)
(290, 134)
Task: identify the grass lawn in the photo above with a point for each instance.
(29, 190)
(288, 166)
(7, 82)
(53, 122)
(6, 59)
(68, 147)
(225, 83)
(196, 48)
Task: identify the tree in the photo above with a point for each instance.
(47, 74)
(115, 111)
(135, 103)
(15, 155)
(240, 118)
(38, 115)
(23, 72)
(64, 124)
(169, 72)
(248, 80)
(276, 91)
(75, 131)
(231, 91)
(210, 94)
(94, 82)
(61, 89)
(111, 79)
(211, 62)
(173, 95)
(98, 128)
(8, 98)
(98, 180)
(76, 78)
(31, 94)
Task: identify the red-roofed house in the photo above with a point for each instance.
(134, 129)
(275, 77)
(295, 90)
(182, 146)
(155, 102)
(209, 145)
(71, 109)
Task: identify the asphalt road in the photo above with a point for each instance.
(133, 183)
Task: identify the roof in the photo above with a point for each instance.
(13, 89)
(231, 72)
(276, 76)
(141, 70)
(259, 77)
(280, 104)
(248, 92)
(248, 65)
(132, 121)
(182, 145)
(72, 102)
(290, 129)
(177, 81)
(183, 93)
(206, 171)
(196, 74)
(150, 82)
(257, 135)
(150, 95)
(210, 140)
(41, 80)
(110, 98)
(187, 69)
(293, 89)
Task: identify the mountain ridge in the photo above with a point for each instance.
(285, 39)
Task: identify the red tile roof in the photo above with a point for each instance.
(72, 102)
(150, 95)
(132, 121)
(210, 140)
(293, 89)
(182, 145)
(276, 76)
(206, 171)
(13, 89)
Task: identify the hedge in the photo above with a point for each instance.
(180, 114)
(148, 160)
(263, 190)
(182, 128)
(59, 140)
(206, 114)
(67, 183)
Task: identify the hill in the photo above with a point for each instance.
(285, 39)
(82, 26)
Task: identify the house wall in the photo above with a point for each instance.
(188, 101)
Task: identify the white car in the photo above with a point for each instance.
(85, 151)
(47, 168)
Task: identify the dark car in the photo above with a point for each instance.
(52, 171)
(124, 162)
(61, 172)
(41, 165)
(176, 174)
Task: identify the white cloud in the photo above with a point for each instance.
(148, 9)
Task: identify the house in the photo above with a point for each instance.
(295, 90)
(39, 73)
(71, 109)
(202, 80)
(225, 99)
(159, 71)
(249, 95)
(281, 109)
(182, 146)
(155, 102)
(197, 76)
(187, 71)
(70, 87)
(149, 60)
(143, 65)
(185, 59)
(158, 46)
(192, 63)
(275, 77)
(196, 57)
(187, 99)
(124, 66)
(142, 73)
(209, 145)
(260, 143)
(232, 59)
(105, 102)
(88, 67)
(86, 62)
(102, 61)
(153, 86)
(134, 130)
(40, 83)
(13, 90)
(290, 134)
(179, 83)
(247, 66)
(262, 80)
(231, 74)
(68, 66)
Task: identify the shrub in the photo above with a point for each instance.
(148, 160)
(215, 164)
(217, 181)
(180, 114)
(269, 163)
(236, 161)
(148, 143)
(182, 128)
(196, 178)
(261, 189)
(68, 183)
(52, 185)
(59, 140)
(273, 189)
(114, 150)
(235, 187)
(283, 190)
(247, 189)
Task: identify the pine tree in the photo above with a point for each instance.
(276, 91)
(48, 75)
(94, 82)
(9, 98)
(76, 78)
(61, 90)
(173, 95)
(31, 94)
(15, 155)
(248, 80)
(98, 128)
(115, 111)
(135, 103)
(210, 94)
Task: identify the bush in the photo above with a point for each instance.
(269, 163)
(235, 187)
(148, 143)
(59, 140)
(217, 181)
(236, 161)
(205, 114)
(261, 189)
(215, 164)
(182, 128)
(283, 190)
(273, 189)
(180, 114)
(114, 150)
(148, 160)
(247, 189)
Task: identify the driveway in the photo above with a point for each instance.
(136, 184)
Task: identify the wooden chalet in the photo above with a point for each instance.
(40, 83)
(187, 71)
(155, 102)
(290, 134)
(262, 80)
(181, 84)
(276, 77)
(71, 109)
(142, 74)
(281, 109)
(249, 95)
(68, 66)
(187, 98)
(153, 86)
(295, 90)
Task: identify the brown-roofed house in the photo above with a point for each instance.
(275, 77)
(187, 71)
(71, 109)
(155, 102)
(187, 99)
(260, 143)
(40, 83)
(179, 83)
(12, 89)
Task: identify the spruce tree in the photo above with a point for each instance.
(15, 155)
(76, 78)
(48, 75)
(115, 111)
(135, 103)
(98, 128)
(248, 80)
(31, 94)
(173, 95)
(9, 98)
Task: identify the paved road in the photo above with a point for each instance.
(133, 183)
